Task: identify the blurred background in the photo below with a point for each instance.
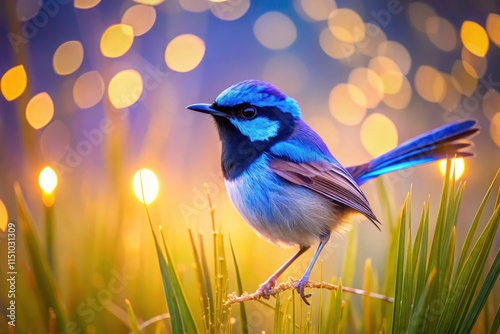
(96, 91)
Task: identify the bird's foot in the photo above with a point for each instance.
(300, 289)
(266, 287)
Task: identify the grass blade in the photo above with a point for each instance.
(368, 324)
(203, 283)
(496, 323)
(44, 278)
(417, 322)
(482, 296)
(421, 250)
(476, 266)
(398, 293)
(134, 325)
(466, 280)
(243, 312)
(186, 314)
(475, 222)
(348, 269)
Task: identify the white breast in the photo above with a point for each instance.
(283, 213)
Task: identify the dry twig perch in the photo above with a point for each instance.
(233, 298)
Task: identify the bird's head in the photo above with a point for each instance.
(254, 111)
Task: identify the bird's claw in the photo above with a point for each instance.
(266, 287)
(300, 290)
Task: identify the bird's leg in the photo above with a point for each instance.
(303, 281)
(266, 287)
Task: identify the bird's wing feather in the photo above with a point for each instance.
(327, 179)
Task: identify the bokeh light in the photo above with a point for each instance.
(369, 83)
(493, 27)
(452, 96)
(275, 30)
(317, 10)
(40, 110)
(14, 82)
(474, 38)
(286, 71)
(47, 180)
(140, 17)
(184, 53)
(149, 2)
(125, 88)
(347, 104)
(491, 103)
(457, 167)
(462, 80)
(441, 33)
(378, 134)
(68, 57)
(194, 6)
(86, 4)
(430, 84)
(495, 129)
(474, 65)
(88, 89)
(4, 217)
(346, 25)
(27, 9)
(419, 13)
(117, 40)
(402, 98)
(229, 10)
(374, 36)
(334, 47)
(145, 185)
(397, 53)
(389, 73)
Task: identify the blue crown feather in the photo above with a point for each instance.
(259, 94)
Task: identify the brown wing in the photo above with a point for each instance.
(328, 180)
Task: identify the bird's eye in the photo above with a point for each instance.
(249, 112)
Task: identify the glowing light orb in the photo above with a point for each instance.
(347, 104)
(378, 134)
(13, 82)
(68, 57)
(474, 38)
(346, 25)
(457, 167)
(117, 40)
(40, 110)
(495, 129)
(145, 185)
(430, 84)
(149, 2)
(4, 217)
(140, 17)
(86, 4)
(184, 53)
(47, 180)
(125, 88)
(275, 30)
(88, 89)
(493, 27)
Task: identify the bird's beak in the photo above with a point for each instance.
(207, 109)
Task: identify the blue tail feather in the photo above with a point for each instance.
(443, 142)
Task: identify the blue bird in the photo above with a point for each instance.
(284, 181)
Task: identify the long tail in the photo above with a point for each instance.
(440, 143)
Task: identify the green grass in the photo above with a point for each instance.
(437, 284)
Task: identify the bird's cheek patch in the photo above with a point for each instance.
(260, 128)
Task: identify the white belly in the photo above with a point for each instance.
(283, 213)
